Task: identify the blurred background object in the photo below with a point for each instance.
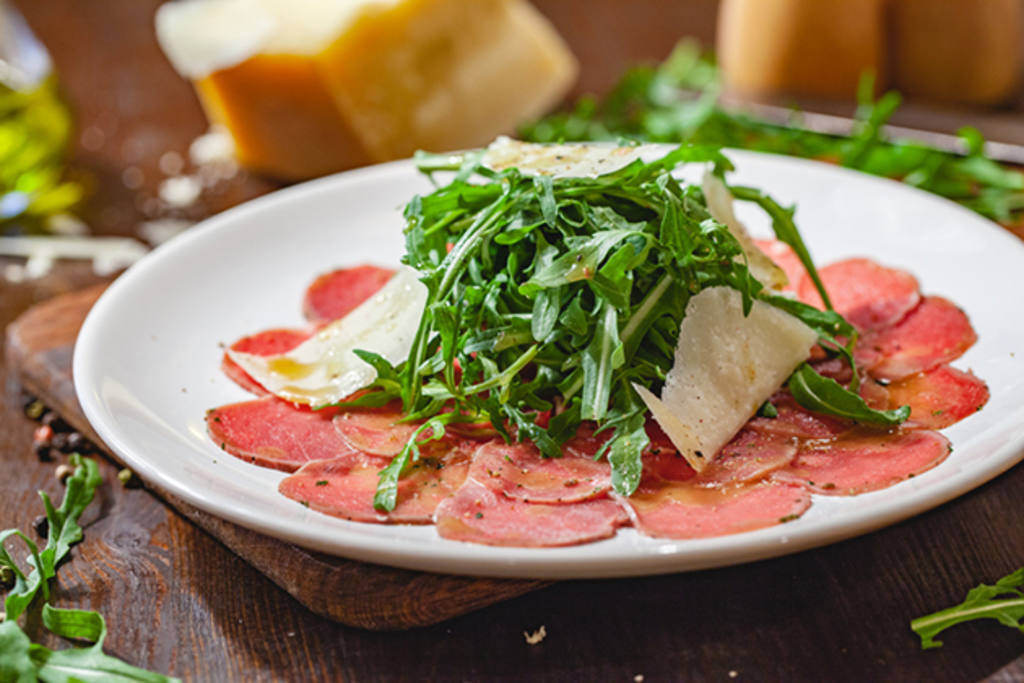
(153, 166)
(960, 51)
(35, 128)
(966, 51)
(801, 47)
(307, 88)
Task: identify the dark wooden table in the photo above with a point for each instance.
(179, 602)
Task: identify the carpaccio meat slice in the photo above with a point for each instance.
(667, 465)
(861, 461)
(751, 455)
(784, 258)
(266, 343)
(476, 514)
(380, 431)
(494, 493)
(518, 471)
(796, 422)
(375, 430)
(869, 295)
(344, 486)
(274, 433)
(335, 294)
(587, 442)
(938, 398)
(934, 333)
(687, 510)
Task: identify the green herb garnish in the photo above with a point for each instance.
(22, 660)
(549, 297)
(678, 102)
(1002, 601)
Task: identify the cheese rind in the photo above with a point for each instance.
(726, 366)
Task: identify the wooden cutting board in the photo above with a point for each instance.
(39, 349)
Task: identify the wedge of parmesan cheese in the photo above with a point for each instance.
(324, 369)
(720, 205)
(726, 365)
(308, 87)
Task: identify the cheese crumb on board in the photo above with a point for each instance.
(537, 636)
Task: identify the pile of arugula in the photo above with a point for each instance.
(21, 660)
(549, 297)
(678, 102)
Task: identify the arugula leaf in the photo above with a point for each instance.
(16, 666)
(83, 663)
(20, 659)
(825, 395)
(63, 532)
(1002, 601)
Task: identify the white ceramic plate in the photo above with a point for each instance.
(146, 365)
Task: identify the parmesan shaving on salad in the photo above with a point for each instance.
(324, 369)
(726, 366)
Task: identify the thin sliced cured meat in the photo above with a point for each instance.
(274, 433)
(869, 295)
(344, 487)
(477, 514)
(519, 471)
(375, 430)
(266, 343)
(588, 442)
(380, 431)
(796, 422)
(334, 294)
(940, 397)
(863, 461)
(667, 465)
(750, 456)
(934, 333)
(686, 510)
(784, 258)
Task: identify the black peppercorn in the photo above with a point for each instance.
(52, 419)
(77, 442)
(43, 451)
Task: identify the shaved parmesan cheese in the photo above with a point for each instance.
(323, 369)
(720, 201)
(726, 366)
(561, 161)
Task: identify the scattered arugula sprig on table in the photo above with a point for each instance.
(550, 297)
(23, 661)
(678, 102)
(1002, 601)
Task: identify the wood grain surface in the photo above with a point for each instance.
(179, 601)
(38, 350)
